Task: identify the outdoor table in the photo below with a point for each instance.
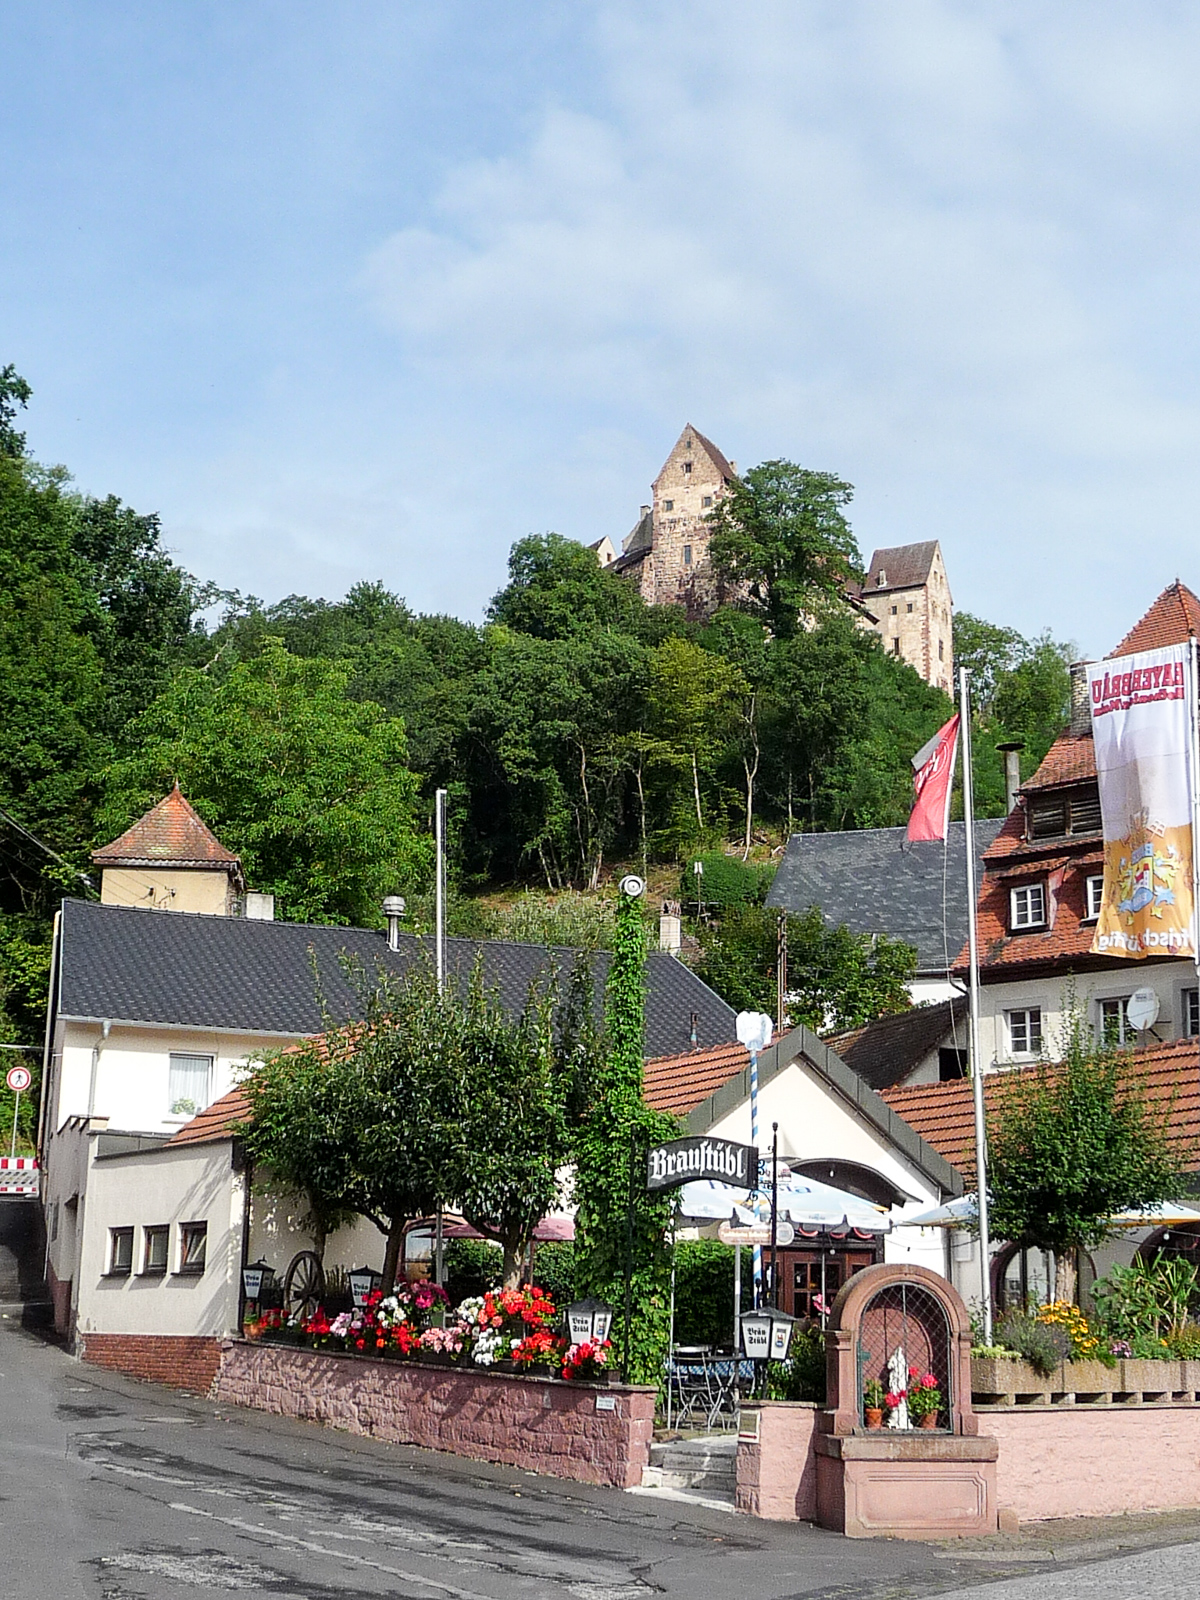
(703, 1384)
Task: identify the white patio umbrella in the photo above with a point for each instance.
(961, 1213)
(802, 1201)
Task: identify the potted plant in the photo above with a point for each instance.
(873, 1403)
(924, 1398)
(587, 1363)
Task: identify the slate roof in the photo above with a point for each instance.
(1173, 617)
(176, 968)
(170, 834)
(944, 1116)
(884, 1052)
(875, 881)
(717, 457)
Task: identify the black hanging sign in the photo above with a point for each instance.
(683, 1160)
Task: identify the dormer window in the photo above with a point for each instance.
(1027, 907)
(881, 579)
(1093, 894)
(1052, 816)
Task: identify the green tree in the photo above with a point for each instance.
(14, 392)
(781, 531)
(557, 590)
(310, 788)
(616, 1219)
(694, 699)
(1070, 1144)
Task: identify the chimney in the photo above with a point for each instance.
(1081, 711)
(670, 927)
(393, 910)
(259, 907)
(1012, 771)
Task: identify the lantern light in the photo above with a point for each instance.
(588, 1321)
(256, 1276)
(767, 1334)
(363, 1282)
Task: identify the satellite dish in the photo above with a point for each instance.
(633, 886)
(1141, 1009)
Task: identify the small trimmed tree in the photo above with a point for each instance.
(1070, 1144)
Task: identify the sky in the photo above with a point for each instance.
(372, 290)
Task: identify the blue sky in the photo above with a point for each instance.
(372, 290)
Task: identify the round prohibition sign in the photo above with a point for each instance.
(19, 1079)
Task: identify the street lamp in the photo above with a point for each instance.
(363, 1282)
(767, 1334)
(256, 1276)
(588, 1321)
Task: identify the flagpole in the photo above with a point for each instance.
(1193, 724)
(985, 1265)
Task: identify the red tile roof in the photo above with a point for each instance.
(1173, 617)
(680, 1083)
(943, 1113)
(1070, 759)
(170, 834)
(216, 1121)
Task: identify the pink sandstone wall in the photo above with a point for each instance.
(540, 1424)
(776, 1466)
(1072, 1462)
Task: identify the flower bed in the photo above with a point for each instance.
(513, 1329)
(1005, 1381)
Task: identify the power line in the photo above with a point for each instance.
(33, 839)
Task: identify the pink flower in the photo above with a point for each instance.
(929, 1381)
(892, 1400)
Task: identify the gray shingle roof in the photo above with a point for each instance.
(885, 1051)
(170, 967)
(875, 881)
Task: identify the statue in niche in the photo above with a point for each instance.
(898, 1384)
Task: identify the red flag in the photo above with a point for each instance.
(933, 777)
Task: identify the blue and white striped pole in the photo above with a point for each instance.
(754, 1030)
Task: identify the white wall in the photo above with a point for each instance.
(815, 1121)
(191, 1183)
(1168, 978)
(132, 1071)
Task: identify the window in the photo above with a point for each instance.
(941, 650)
(1025, 1031)
(1028, 906)
(1191, 1013)
(687, 466)
(120, 1252)
(881, 579)
(952, 1064)
(893, 610)
(188, 1090)
(1115, 1027)
(668, 505)
(706, 500)
(1057, 814)
(1093, 893)
(908, 607)
(687, 555)
(193, 1242)
(154, 1252)
(895, 647)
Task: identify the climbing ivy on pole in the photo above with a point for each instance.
(621, 1230)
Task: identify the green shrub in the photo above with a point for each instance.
(1043, 1346)
(472, 1266)
(726, 880)
(1184, 1343)
(554, 1270)
(802, 1375)
(704, 1291)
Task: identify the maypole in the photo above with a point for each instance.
(985, 1266)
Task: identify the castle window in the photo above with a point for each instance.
(707, 500)
(668, 505)
(909, 607)
(687, 555)
(941, 650)
(893, 610)
(895, 647)
(881, 579)
(687, 466)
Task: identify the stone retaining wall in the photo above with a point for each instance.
(588, 1432)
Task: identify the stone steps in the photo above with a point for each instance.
(704, 1466)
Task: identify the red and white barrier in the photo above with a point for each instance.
(18, 1175)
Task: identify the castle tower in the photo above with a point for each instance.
(907, 597)
(666, 554)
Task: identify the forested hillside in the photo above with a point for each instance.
(575, 727)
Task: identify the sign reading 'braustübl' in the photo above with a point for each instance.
(684, 1160)
(1141, 723)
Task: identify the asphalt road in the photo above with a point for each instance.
(115, 1489)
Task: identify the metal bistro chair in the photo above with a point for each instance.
(703, 1386)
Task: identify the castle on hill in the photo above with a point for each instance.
(905, 597)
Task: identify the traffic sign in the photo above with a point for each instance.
(19, 1079)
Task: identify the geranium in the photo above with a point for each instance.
(587, 1360)
(893, 1399)
(924, 1396)
(444, 1341)
(539, 1348)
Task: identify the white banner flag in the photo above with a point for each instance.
(1141, 723)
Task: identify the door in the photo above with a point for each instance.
(809, 1280)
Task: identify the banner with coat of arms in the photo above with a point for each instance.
(1141, 726)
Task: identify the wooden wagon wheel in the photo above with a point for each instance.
(304, 1284)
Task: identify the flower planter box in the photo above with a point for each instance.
(996, 1381)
